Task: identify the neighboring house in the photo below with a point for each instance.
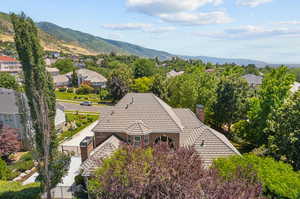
(143, 119)
(10, 65)
(15, 113)
(295, 87)
(90, 77)
(52, 71)
(253, 80)
(61, 81)
(49, 61)
(173, 73)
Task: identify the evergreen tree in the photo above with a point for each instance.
(41, 98)
(74, 79)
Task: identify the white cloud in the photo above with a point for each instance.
(154, 7)
(251, 32)
(180, 11)
(252, 3)
(140, 27)
(216, 17)
(288, 23)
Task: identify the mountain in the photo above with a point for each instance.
(56, 38)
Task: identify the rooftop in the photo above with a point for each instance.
(8, 102)
(253, 79)
(7, 59)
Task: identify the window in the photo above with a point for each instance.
(137, 140)
(146, 139)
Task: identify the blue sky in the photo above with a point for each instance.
(267, 30)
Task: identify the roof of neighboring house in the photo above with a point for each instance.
(173, 73)
(89, 75)
(295, 87)
(7, 59)
(52, 70)
(8, 101)
(60, 79)
(253, 79)
(104, 150)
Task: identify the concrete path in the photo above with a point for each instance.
(78, 107)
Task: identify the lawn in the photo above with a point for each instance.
(82, 121)
(15, 190)
(75, 97)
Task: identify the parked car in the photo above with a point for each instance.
(86, 103)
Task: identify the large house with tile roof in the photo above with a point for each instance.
(10, 65)
(142, 119)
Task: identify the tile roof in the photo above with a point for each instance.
(7, 59)
(104, 150)
(60, 79)
(89, 75)
(253, 79)
(8, 101)
(155, 114)
(51, 70)
(173, 73)
(138, 128)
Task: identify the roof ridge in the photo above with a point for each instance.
(159, 102)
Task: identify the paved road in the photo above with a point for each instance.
(78, 107)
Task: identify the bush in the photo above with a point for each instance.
(23, 165)
(84, 89)
(5, 171)
(15, 190)
(70, 90)
(62, 89)
(27, 156)
(279, 180)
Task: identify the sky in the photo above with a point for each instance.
(266, 30)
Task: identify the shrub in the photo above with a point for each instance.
(15, 190)
(70, 90)
(23, 165)
(27, 156)
(62, 89)
(5, 172)
(279, 180)
(84, 89)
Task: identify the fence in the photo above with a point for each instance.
(61, 193)
(74, 150)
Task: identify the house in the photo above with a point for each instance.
(50, 61)
(173, 73)
(295, 87)
(61, 81)
(52, 71)
(10, 65)
(142, 119)
(253, 80)
(90, 77)
(15, 113)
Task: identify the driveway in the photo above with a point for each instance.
(77, 107)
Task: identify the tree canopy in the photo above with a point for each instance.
(8, 81)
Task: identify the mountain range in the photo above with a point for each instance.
(56, 38)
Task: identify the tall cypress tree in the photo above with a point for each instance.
(40, 93)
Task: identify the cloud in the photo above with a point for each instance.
(139, 27)
(288, 23)
(155, 7)
(252, 3)
(250, 32)
(184, 12)
(216, 17)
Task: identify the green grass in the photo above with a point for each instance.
(82, 121)
(15, 190)
(75, 97)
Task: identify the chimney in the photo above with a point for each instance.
(86, 147)
(200, 112)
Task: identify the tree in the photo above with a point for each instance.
(84, 89)
(272, 94)
(142, 85)
(278, 179)
(39, 90)
(160, 86)
(5, 172)
(284, 132)
(161, 172)
(144, 68)
(10, 141)
(230, 104)
(119, 82)
(8, 81)
(74, 79)
(64, 65)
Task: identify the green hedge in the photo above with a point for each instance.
(279, 180)
(15, 190)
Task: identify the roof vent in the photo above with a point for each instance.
(132, 100)
(112, 112)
